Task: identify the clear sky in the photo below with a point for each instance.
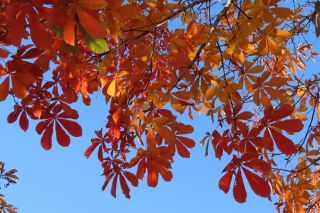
(62, 180)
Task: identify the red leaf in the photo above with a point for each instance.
(18, 88)
(100, 154)
(239, 191)
(225, 181)
(12, 117)
(244, 115)
(105, 184)
(114, 186)
(4, 89)
(259, 185)
(90, 149)
(41, 126)
(72, 127)
(69, 32)
(184, 129)
(24, 122)
(152, 178)
(165, 133)
(91, 25)
(132, 178)
(182, 150)
(259, 165)
(32, 53)
(284, 111)
(38, 32)
(17, 30)
(284, 144)
(124, 186)
(186, 141)
(46, 140)
(142, 166)
(151, 139)
(166, 174)
(3, 53)
(292, 125)
(267, 141)
(62, 137)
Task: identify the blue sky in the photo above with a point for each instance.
(62, 180)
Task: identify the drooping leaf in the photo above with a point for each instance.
(225, 181)
(239, 191)
(258, 184)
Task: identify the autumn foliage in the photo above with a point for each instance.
(242, 63)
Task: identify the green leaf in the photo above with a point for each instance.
(96, 45)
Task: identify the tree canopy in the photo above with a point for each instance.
(241, 63)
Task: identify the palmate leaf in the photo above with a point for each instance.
(96, 45)
(232, 68)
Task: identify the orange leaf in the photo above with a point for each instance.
(69, 31)
(152, 178)
(274, 47)
(142, 166)
(92, 5)
(112, 89)
(166, 174)
(151, 139)
(239, 191)
(165, 132)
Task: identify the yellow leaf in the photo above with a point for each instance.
(112, 88)
(283, 35)
(274, 47)
(210, 93)
(300, 92)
